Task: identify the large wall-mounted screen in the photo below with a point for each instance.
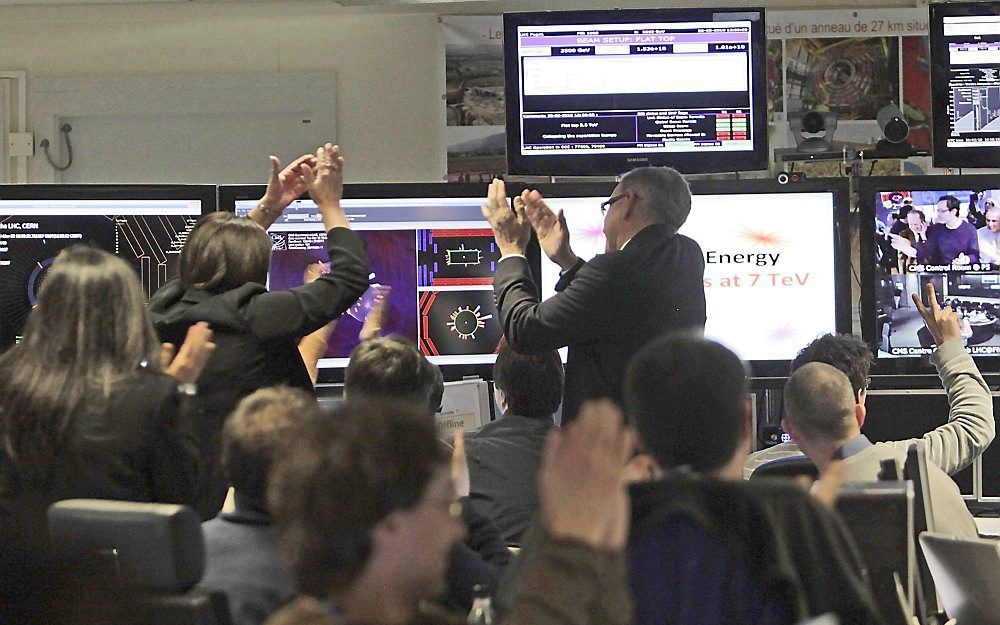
(771, 286)
(428, 243)
(601, 92)
(940, 230)
(144, 225)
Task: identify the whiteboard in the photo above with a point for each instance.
(216, 129)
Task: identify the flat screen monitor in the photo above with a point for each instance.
(776, 265)
(602, 92)
(928, 245)
(428, 242)
(965, 83)
(145, 225)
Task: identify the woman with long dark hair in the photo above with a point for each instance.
(223, 271)
(86, 409)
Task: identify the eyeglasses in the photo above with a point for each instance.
(605, 205)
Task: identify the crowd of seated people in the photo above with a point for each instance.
(637, 513)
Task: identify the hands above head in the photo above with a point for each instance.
(942, 322)
(510, 227)
(582, 485)
(186, 366)
(325, 182)
(550, 227)
(284, 186)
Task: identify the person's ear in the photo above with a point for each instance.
(789, 428)
(500, 397)
(630, 205)
(860, 413)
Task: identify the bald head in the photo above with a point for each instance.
(820, 403)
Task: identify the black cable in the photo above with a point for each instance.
(872, 169)
(65, 129)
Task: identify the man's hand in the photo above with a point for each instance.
(325, 184)
(550, 228)
(962, 259)
(942, 322)
(582, 490)
(510, 228)
(460, 466)
(191, 359)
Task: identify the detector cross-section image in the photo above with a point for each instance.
(456, 257)
(458, 322)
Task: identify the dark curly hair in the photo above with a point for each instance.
(340, 477)
(843, 351)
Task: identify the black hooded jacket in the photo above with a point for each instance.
(256, 334)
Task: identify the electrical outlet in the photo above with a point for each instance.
(20, 144)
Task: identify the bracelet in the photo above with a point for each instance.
(264, 209)
(187, 388)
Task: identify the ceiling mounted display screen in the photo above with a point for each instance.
(602, 92)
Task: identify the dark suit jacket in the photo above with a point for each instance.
(504, 457)
(139, 446)
(256, 335)
(605, 310)
(242, 559)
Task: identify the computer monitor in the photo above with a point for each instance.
(776, 260)
(959, 258)
(145, 225)
(601, 92)
(965, 83)
(428, 242)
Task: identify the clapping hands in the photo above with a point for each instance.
(582, 483)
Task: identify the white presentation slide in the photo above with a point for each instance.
(769, 281)
(659, 73)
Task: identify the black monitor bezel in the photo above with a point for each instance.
(840, 189)
(230, 194)
(867, 188)
(206, 193)
(613, 164)
(943, 156)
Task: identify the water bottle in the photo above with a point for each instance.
(482, 610)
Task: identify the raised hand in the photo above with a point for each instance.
(186, 366)
(942, 322)
(325, 183)
(550, 228)
(581, 485)
(460, 466)
(285, 185)
(510, 227)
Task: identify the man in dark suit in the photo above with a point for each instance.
(649, 281)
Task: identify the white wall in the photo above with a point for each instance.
(388, 63)
(387, 66)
